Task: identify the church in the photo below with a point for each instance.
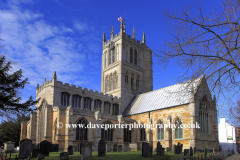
(126, 97)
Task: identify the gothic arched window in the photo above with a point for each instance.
(76, 101)
(131, 55)
(106, 59)
(203, 116)
(117, 56)
(97, 105)
(65, 99)
(142, 134)
(135, 56)
(160, 131)
(107, 135)
(126, 78)
(178, 129)
(132, 82)
(127, 134)
(107, 107)
(111, 82)
(109, 58)
(113, 55)
(106, 84)
(115, 80)
(115, 109)
(137, 83)
(81, 132)
(87, 103)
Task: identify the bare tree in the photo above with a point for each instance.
(206, 43)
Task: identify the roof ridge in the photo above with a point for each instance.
(170, 86)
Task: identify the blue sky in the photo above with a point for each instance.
(43, 36)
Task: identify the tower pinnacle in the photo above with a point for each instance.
(143, 39)
(133, 35)
(55, 75)
(104, 38)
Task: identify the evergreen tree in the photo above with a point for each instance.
(10, 129)
(10, 84)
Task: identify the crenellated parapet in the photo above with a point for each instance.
(123, 35)
(73, 89)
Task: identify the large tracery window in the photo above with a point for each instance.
(131, 55)
(76, 101)
(135, 56)
(87, 103)
(160, 131)
(178, 129)
(107, 135)
(127, 134)
(107, 107)
(65, 99)
(115, 109)
(97, 105)
(81, 133)
(203, 116)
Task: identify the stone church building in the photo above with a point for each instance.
(126, 97)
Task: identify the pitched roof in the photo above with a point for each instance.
(170, 96)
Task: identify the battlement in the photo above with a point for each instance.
(122, 35)
(73, 88)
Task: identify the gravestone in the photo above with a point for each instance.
(114, 148)
(120, 148)
(159, 147)
(54, 147)
(35, 152)
(9, 147)
(125, 148)
(86, 151)
(145, 149)
(133, 146)
(194, 150)
(101, 148)
(94, 148)
(70, 150)
(80, 145)
(175, 149)
(186, 153)
(205, 152)
(162, 151)
(45, 147)
(109, 148)
(213, 151)
(150, 151)
(191, 152)
(25, 148)
(64, 156)
(41, 156)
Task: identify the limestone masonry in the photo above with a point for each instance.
(126, 97)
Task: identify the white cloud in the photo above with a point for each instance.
(41, 48)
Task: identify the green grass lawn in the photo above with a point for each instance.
(131, 155)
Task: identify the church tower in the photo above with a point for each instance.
(126, 66)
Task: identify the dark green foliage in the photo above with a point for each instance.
(10, 129)
(10, 84)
